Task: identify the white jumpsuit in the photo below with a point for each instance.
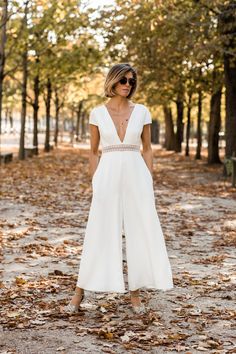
(123, 200)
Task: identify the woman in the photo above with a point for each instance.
(123, 199)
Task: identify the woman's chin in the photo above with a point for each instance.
(124, 94)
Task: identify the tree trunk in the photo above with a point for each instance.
(57, 110)
(48, 107)
(11, 120)
(227, 27)
(215, 122)
(180, 125)
(155, 132)
(72, 128)
(6, 115)
(199, 128)
(188, 123)
(169, 143)
(35, 111)
(3, 38)
(230, 96)
(21, 153)
(78, 113)
(83, 127)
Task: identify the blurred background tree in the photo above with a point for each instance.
(54, 57)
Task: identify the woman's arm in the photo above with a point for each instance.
(94, 144)
(147, 148)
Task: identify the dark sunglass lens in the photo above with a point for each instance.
(123, 80)
(132, 82)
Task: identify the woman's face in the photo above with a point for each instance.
(124, 89)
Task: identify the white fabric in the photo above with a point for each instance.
(123, 199)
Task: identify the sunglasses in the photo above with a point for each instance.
(124, 80)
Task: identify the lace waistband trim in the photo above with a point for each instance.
(123, 147)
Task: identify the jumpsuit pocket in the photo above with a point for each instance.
(150, 174)
(97, 170)
(94, 175)
(148, 171)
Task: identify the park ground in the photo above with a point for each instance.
(44, 207)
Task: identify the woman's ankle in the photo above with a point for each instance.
(135, 298)
(79, 291)
(134, 293)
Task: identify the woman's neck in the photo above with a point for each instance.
(119, 103)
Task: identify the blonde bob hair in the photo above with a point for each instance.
(115, 73)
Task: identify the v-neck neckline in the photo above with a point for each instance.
(130, 117)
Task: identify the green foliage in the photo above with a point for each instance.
(173, 44)
(60, 44)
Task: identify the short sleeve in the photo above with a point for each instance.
(147, 117)
(93, 117)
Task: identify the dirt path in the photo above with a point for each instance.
(44, 208)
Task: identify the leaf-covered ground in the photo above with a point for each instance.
(44, 208)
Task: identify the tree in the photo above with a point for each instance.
(3, 38)
(21, 153)
(227, 18)
(215, 118)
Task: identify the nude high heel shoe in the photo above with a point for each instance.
(71, 308)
